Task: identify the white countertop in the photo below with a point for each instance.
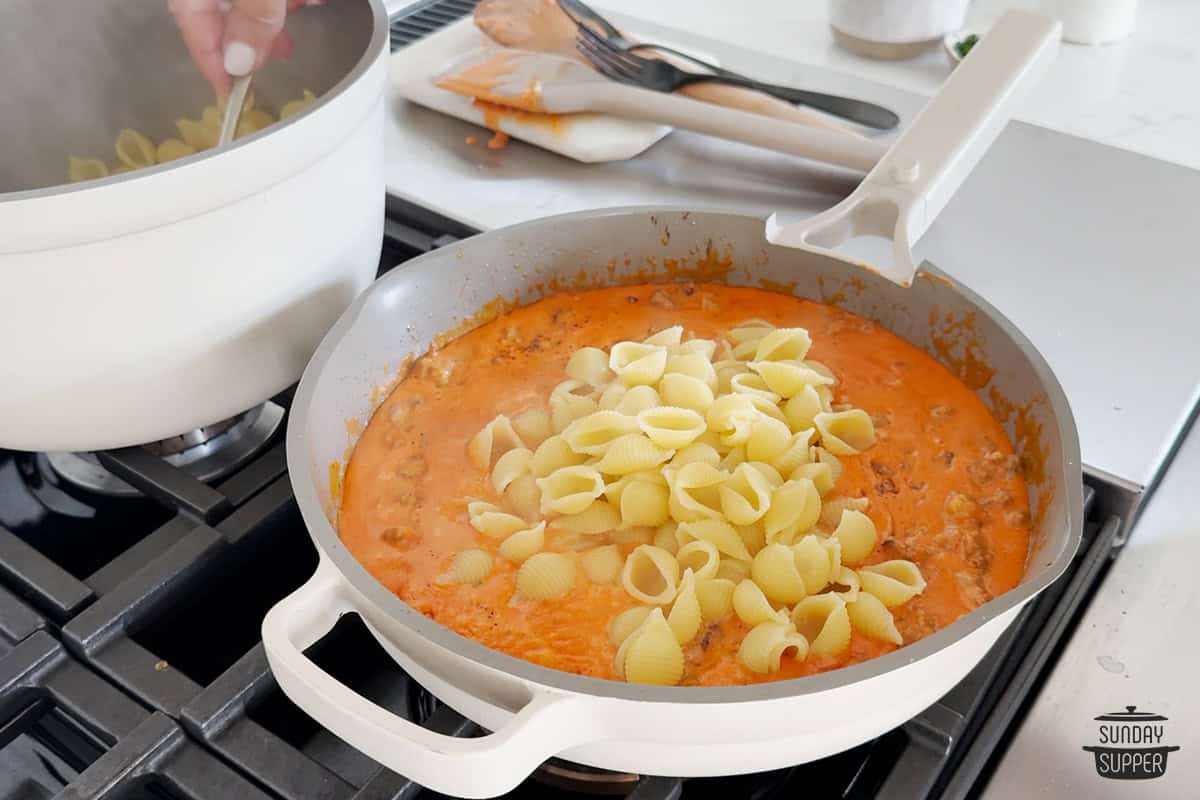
(1138, 94)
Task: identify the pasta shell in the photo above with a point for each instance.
(822, 620)
(631, 453)
(546, 576)
(846, 585)
(85, 169)
(664, 537)
(720, 533)
(787, 378)
(524, 496)
(489, 520)
(645, 503)
(521, 545)
(599, 517)
(731, 417)
(769, 438)
(637, 364)
(685, 617)
(872, 618)
(589, 365)
(696, 453)
(845, 433)
(293, 107)
(670, 427)
(803, 408)
(470, 566)
(693, 365)
(704, 347)
(593, 434)
(749, 383)
(695, 492)
(726, 371)
(733, 570)
(750, 329)
(893, 582)
(764, 646)
(602, 564)
(570, 490)
(569, 401)
(667, 337)
(496, 439)
(856, 534)
(783, 344)
(135, 150)
(636, 400)
(775, 571)
(753, 537)
(795, 508)
(171, 149)
(715, 596)
(554, 454)
(611, 396)
(745, 496)
(833, 508)
(812, 563)
(795, 454)
(820, 474)
(700, 557)
(684, 391)
(751, 605)
(823, 456)
(509, 467)
(651, 575)
(774, 479)
(734, 458)
(625, 623)
(652, 653)
(533, 426)
(196, 134)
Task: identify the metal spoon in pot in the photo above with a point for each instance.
(233, 108)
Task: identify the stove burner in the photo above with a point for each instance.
(206, 453)
(560, 774)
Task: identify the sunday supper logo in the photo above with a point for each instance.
(1131, 745)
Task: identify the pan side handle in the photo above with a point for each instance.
(909, 187)
(485, 766)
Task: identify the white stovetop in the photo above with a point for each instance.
(1138, 94)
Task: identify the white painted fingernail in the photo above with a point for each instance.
(239, 59)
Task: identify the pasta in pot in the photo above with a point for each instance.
(700, 502)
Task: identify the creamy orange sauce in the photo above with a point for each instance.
(943, 482)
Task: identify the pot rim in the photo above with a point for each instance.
(379, 38)
(353, 573)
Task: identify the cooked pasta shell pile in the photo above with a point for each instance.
(701, 477)
(135, 150)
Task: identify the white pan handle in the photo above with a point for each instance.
(485, 766)
(911, 185)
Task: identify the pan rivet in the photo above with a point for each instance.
(906, 170)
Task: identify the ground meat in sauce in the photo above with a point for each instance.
(943, 485)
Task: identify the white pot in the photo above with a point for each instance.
(144, 305)
(897, 21)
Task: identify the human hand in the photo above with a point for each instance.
(233, 37)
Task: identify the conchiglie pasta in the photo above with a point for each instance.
(695, 492)
(469, 567)
(751, 604)
(694, 365)
(893, 582)
(768, 439)
(631, 453)
(523, 544)
(856, 533)
(822, 620)
(831, 510)
(685, 617)
(697, 452)
(664, 537)
(700, 557)
(569, 401)
(667, 337)
(589, 365)
(795, 454)
(296, 106)
(570, 490)
(496, 439)
(625, 623)
(650, 575)
(593, 434)
(671, 427)
(870, 616)
(748, 383)
(644, 503)
(846, 585)
(820, 474)
(717, 531)
(813, 563)
(491, 521)
(134, 150)
(637, 364)
(599, 517)
(783, 344)
(774, 570)
(602, 564)
(684, 391)
(803, 408)
(715, 596)
(524, 496)
(704, 347)
(533, 426)
(763, 648)
(85, 169)
(636, 400)
(746, 495)
(546, 576)
(845, 433)
(731, 417)
(651, 654)
(753, 537)
(509, 467)
(171, 149)
(554, 454)
(731, 569)
(728, 370)
(787, 378)
(795, 508)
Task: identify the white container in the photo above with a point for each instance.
(892, 29)
(1093, 21)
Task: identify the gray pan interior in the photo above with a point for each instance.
(76, 73)
(400, 315)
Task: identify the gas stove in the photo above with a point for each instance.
(131, 666)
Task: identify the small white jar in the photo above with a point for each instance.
(893, 29)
